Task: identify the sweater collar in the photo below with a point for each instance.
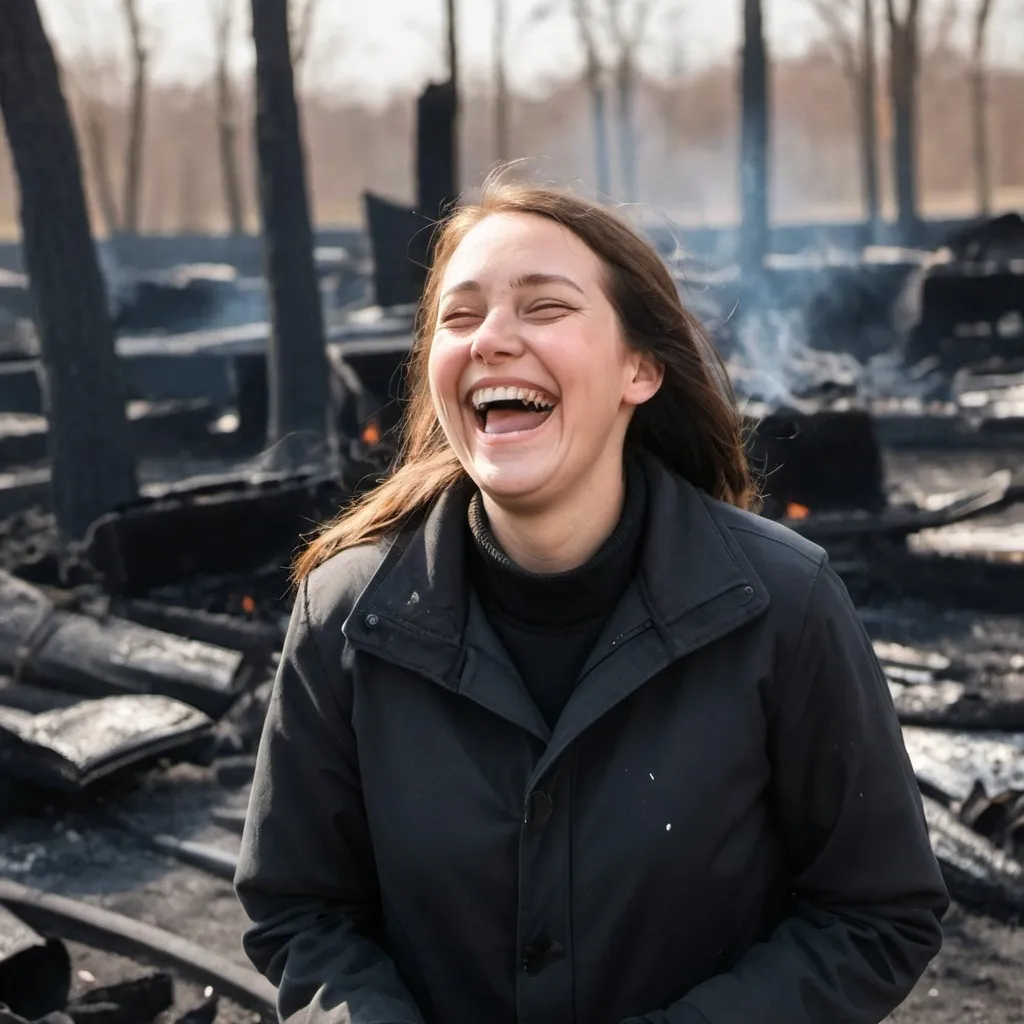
(558, 600)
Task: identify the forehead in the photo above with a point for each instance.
(511, 244)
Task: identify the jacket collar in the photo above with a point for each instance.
(695, 585)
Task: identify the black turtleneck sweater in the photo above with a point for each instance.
(550, 622)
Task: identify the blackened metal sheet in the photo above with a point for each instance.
(70, 748)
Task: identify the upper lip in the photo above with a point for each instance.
(506, 382)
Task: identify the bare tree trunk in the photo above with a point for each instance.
(903, 73)
(453, 78)
(599, 126)
(187, 217)
(502, 138)
(297, 360)
(624, 87)
(979, 109)
(754, 139)
(869, 119)
(227, 124)
(595, 88)
(98, 150)
(301, 34)
(859, 67)
(132, 203)
(93, 469)
(627, 41)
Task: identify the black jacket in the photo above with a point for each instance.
(723, 828)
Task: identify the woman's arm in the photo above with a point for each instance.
(868, 893)
(306, 877)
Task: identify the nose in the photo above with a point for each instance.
(495, 340)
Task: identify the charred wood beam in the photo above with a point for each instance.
(231, 526)
(257, 638)
(51, 914)
(104, 656)
(978, 874)
(210, 859)
(898, 523)
(754, 138)
(298, 377)
(436, 134)
(229, 819)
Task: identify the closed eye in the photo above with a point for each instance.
(460, 318)
(549, 308)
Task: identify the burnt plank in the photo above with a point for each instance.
(97, 657)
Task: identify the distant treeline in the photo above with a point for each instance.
(688, 139)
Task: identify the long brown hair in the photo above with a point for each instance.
(692, 424)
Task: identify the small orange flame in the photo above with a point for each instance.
(371, 433)
(794, 510)
(248, 605)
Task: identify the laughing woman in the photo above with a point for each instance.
(562, 732)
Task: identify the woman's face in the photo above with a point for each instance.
(531, 379)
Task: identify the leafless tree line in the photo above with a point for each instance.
(684, 128)
(851, 26)
(90, 77)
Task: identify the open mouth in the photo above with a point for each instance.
(511, 410)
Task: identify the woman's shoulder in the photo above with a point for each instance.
(331, 590)
(786, 562)
(756, 531)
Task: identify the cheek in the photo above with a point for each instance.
(593, 368)
(444, 369)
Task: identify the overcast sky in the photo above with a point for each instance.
(369, 47)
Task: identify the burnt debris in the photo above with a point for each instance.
(972, 297)
(37, 981)
(881, 429)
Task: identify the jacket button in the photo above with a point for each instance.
(371, 621)
(538, 809)
(539, 952)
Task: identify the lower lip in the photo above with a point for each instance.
(512, 436)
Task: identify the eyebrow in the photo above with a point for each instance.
(525, 281)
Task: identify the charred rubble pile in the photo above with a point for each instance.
(38, 981)
(157, 645)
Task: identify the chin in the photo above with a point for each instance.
(512, 481)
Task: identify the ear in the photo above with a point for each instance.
(647, 375)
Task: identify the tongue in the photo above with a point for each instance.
(507, 421)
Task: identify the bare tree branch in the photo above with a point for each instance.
(941, 41)
(227, 117)
(303, 16)
(834, 15)
(130, 207)
(626, 41)
(979, 108)
(594, 74)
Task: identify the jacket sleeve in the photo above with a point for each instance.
(867, 891)
(306, 875)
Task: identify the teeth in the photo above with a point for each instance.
(485, 396)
